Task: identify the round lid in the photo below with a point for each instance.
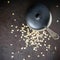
(38, 17)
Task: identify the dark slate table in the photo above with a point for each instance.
(13, 13)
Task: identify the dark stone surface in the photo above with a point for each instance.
(19, 7)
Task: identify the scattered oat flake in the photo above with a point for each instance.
(18, 52)
(57, 21)
(55, 48)
(11, 25)
(17, 29)
(14, 19)
(16, 26)
(11, 44)
(13, 13)
(29, 56)
(57, 6)
(24, 59)
(38, 55)
(12, 56)
(12, 52)
(15, 35)
(8, 2)
(43, 55)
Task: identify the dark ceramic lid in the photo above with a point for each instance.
(38, 17)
